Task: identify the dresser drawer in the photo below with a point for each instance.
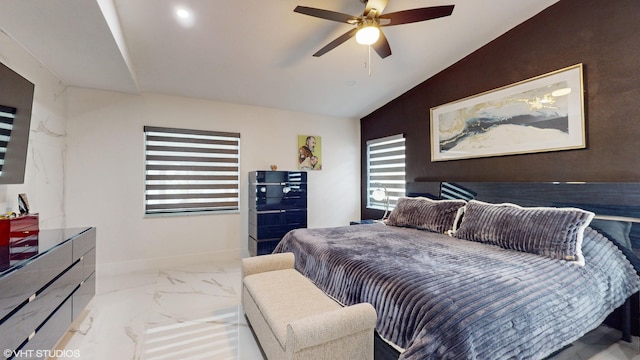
(88, 263)
(277, 177)
(271, 197)
(83, 295)
(269, 232)
(83, 243)
(276, 223)
(262, 247)
(50, 333)
(278, 217)
(18, 286)
(24, 322)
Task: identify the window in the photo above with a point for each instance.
(385, 170)
(189, 171)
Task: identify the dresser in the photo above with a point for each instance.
(46, 289)
(277, 204)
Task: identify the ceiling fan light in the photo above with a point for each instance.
(368, 35)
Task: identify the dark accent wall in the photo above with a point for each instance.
(603, 36)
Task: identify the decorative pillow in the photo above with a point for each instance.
(552, 232)
(425, 214)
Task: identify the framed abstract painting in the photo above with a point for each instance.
(544, 113)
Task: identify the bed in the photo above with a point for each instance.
(480, 292)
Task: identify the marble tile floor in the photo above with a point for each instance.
(190, 312)
(193, 312)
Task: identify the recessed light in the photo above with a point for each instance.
(184, 16)
(183, 13)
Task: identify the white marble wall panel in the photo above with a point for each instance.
(44, 173)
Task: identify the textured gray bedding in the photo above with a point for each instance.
(440, 297)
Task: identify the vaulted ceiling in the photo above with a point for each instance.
(250, 52)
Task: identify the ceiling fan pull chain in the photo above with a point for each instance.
(369, 67)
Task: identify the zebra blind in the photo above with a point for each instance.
(7, 117)
(189, 171)
(386, 170)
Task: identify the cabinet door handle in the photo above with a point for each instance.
(269, 183)
(271, 212)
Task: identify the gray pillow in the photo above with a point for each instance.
(552, 232)
(425, 214)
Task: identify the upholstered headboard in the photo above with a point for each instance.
(616, 205)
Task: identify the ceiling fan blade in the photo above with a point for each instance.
(325, 14)
(342, 38)
(415, 15)
(382, 46)
(378, 5)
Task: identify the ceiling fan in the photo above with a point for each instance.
(367, 26)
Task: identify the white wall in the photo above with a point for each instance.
(85, 166)
(44, 173)
(104, 183)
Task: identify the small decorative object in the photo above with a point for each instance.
(544, 113)
(274, 167)
(8, 215)
(23, 204)
(309, 152)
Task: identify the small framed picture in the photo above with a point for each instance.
(309, 152)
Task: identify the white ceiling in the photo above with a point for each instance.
(252, 52)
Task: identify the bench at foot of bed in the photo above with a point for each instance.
(293, 319)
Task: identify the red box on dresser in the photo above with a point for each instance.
(18, 239)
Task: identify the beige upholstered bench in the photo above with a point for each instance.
(293, 319)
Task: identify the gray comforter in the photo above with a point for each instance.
(440, 297)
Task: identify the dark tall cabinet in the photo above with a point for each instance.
(277, 204)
